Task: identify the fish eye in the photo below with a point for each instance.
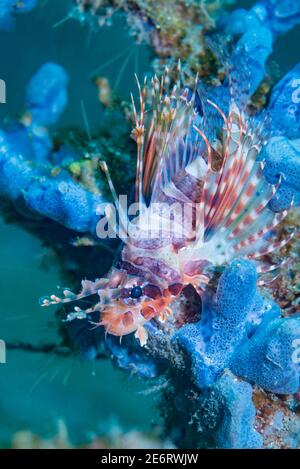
(136, 292)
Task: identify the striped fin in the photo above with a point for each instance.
(264, 268)
(213, 181)
(268, 273)
(231, 164)
(181, 149)
(271, 247)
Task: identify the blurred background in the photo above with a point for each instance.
(42, 393)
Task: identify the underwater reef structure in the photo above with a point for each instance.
(195, 312)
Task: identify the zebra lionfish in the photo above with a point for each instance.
(182, 161)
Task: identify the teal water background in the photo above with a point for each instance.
(36, 390)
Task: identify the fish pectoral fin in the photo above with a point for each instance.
(142, 335)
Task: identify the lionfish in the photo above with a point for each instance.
(182, 161)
